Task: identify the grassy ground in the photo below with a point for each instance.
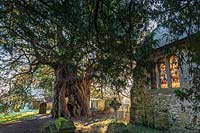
(16, 117)
(10, 118)
(92, 124)
(101, 125)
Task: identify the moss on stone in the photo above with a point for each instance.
(59, 126)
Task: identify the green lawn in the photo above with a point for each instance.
(9, 118)
(15, 117)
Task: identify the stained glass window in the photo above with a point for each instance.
(163, 76)
(174, 71)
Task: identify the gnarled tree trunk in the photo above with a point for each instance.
(66, 85)
(59, 104)
(80, 90)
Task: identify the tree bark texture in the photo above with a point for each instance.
(80, 90)
(70, 85)
(59, 104)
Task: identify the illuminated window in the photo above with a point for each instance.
(163, 76)
(174, 71)
(168, 73)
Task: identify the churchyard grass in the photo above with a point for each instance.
(18, 116)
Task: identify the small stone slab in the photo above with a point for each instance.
(43, 108)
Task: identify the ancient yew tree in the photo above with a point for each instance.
(56, 34)
(80, 40)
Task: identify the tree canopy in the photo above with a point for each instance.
(50, 33)
(95, 39)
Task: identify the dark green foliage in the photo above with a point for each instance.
(192, 94)
(20, 91)
(181, 16)
(182, 95)
(4, 107)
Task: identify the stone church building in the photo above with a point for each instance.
(156, 105)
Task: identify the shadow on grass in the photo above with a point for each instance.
(97, 125)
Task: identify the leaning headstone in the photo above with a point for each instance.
(43, 108)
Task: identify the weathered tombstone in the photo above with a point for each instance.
(43, 108)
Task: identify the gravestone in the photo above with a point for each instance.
(43, 108)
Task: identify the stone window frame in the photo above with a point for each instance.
(166, 60)
(179, 72)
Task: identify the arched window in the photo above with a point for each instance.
(174, 72)
(163, 76)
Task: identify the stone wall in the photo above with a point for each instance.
(162, 110)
